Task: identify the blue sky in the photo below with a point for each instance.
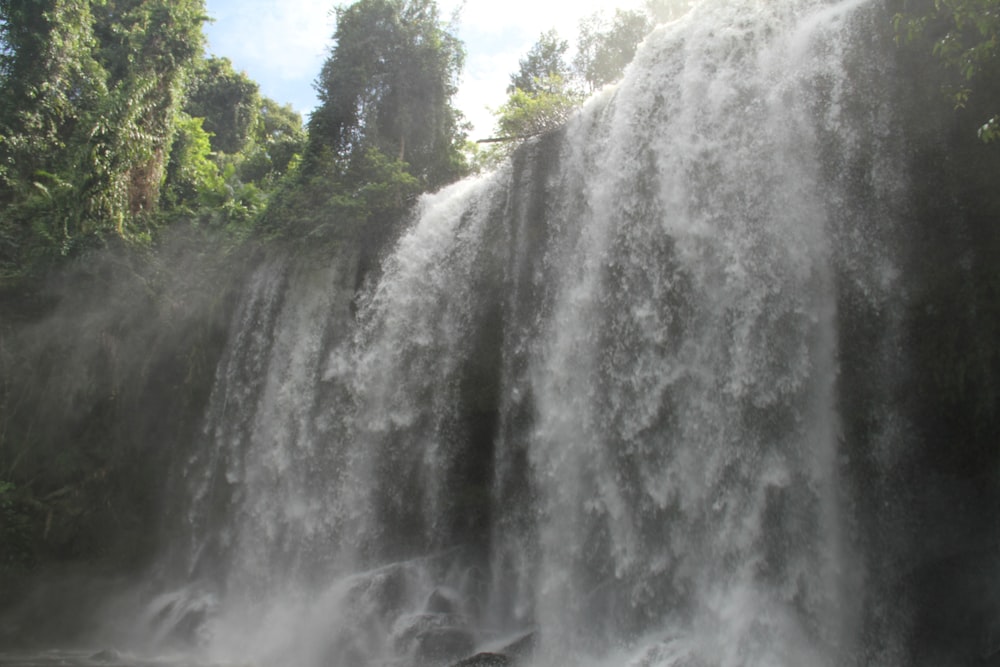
(282, 44)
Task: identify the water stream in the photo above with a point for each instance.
(588, 413)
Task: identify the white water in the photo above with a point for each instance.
(642, 317)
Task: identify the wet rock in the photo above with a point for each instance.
(486, 660)
(443, 644)
(521, 648)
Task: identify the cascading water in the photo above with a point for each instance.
(591, 401)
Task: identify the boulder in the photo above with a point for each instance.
(441, 645)
(521, 648)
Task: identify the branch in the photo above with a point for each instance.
(517, 137)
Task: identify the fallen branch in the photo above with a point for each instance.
(498, 140)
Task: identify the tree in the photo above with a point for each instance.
(149, 48)
(604, 50)
(112, 123)
(526, 114)
(227, 100)
(88, 97)
(387, 86)
(540, 97)
(276, 141)
(51, 84)
(529, 114)
(385, 129)
(191, 175)
(541, 93)
(966, 38)
(544, 62)
(49, 81)
(544, 91)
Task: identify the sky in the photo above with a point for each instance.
(282, 45)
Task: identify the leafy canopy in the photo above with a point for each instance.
(387, 86)
(385, 129)
(546, 88)
(542, 109)
(966, 38)
(88, 95)
(228, 100)
(545, 62)
(605, 48)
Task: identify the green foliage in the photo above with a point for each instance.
(112, 124)
(965, 37)
(191, 176)
(604, 49)
(527, 114)
(329, 204)
(50, 80)
(226, 184)
(544, 63)
(88, 97)
(545, 90)
(530, 113)
(388, 86)
(276, 142)
(207, 188)
(149, 46)
(385, 129)
(229, 101)
(539, 99)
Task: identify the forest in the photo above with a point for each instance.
(143, 180)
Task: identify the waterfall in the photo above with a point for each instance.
(588, 413)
